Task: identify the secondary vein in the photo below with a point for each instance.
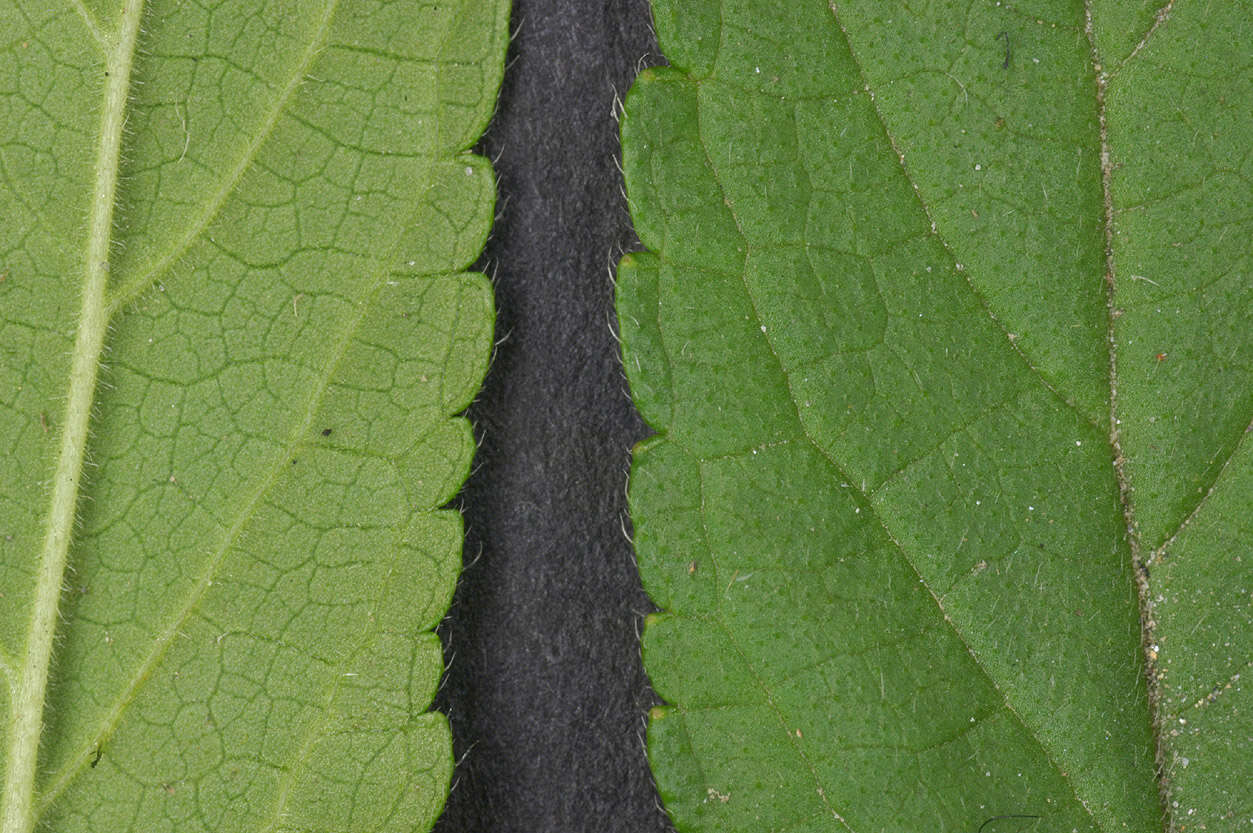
(26, 711)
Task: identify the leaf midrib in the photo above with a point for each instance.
(99, 306)
(1135, 544)
(26, 710)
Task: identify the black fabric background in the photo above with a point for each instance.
(545, 691)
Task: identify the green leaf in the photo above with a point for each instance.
(232, 336)
(944, 329)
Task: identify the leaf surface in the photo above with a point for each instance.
(943, 326)
(233, 334)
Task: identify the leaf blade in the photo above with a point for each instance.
(950, 365)
(275, 438)
(1184, 388)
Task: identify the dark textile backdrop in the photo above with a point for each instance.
(545, 691)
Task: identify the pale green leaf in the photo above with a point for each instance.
(233, 335)
(944, 328)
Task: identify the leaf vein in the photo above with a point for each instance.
(161, 644)
(132, 289)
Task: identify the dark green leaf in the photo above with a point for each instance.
(944, 329)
